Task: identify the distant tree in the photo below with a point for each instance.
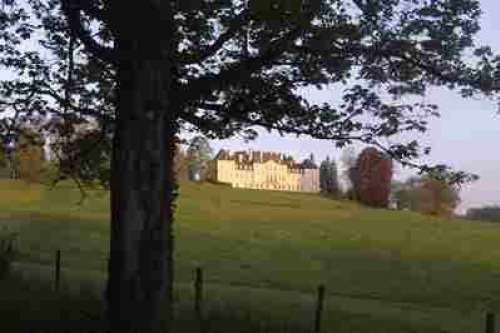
(309, 162)
(180, 163)
(406, 193)
(10, 152)
(427, 195)
(487, 213)
(199, 153)
(435, 197)
(82, 151)
(4, 163)
(334, 180)
(373, 178)
(312, 159)
(328, 177)
(323, 175)
(3, 157)
(348, 159)
(29, 156)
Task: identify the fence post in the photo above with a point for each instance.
(319, 309)
(198, 297)
(58, 269)
(490, 322)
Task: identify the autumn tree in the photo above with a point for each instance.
(3, 158)
(29, 156)
(181, 163)
(438, 198)
(82, 152)
(373, 179)
(143, 70)
(427, 195)
(5, 162)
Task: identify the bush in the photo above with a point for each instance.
(348, 194)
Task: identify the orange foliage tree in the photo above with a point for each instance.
(437, 198)
(373, 178)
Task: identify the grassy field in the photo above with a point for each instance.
(384, 271)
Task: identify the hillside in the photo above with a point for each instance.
(374, 262)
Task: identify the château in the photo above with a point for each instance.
(264, 171)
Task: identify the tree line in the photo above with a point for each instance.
(369, 175)
(370, 182)
(486, 213)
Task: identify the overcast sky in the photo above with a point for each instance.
(467, 136)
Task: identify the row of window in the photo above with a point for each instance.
(269, 187)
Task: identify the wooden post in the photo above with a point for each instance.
(319, 309)
(58, 269)
(490, 322)
(198, 297)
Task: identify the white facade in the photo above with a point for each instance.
(278, 175)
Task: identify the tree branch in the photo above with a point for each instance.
(282, 128)
(429, 67)
(91, 9)
(66, 104)
(237, 73)
(72, 10)
(212, 49)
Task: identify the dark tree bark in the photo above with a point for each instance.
(142, 186)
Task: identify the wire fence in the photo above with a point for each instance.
(317, 309)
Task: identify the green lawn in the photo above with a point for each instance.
(397, 271)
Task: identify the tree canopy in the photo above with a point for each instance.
(237, 65)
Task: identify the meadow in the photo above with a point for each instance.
(263, 256)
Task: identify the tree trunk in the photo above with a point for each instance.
(142, 184)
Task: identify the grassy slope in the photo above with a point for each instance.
(276, 247)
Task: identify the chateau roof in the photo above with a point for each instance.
(248, 158)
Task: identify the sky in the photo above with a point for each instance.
(466, 136)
